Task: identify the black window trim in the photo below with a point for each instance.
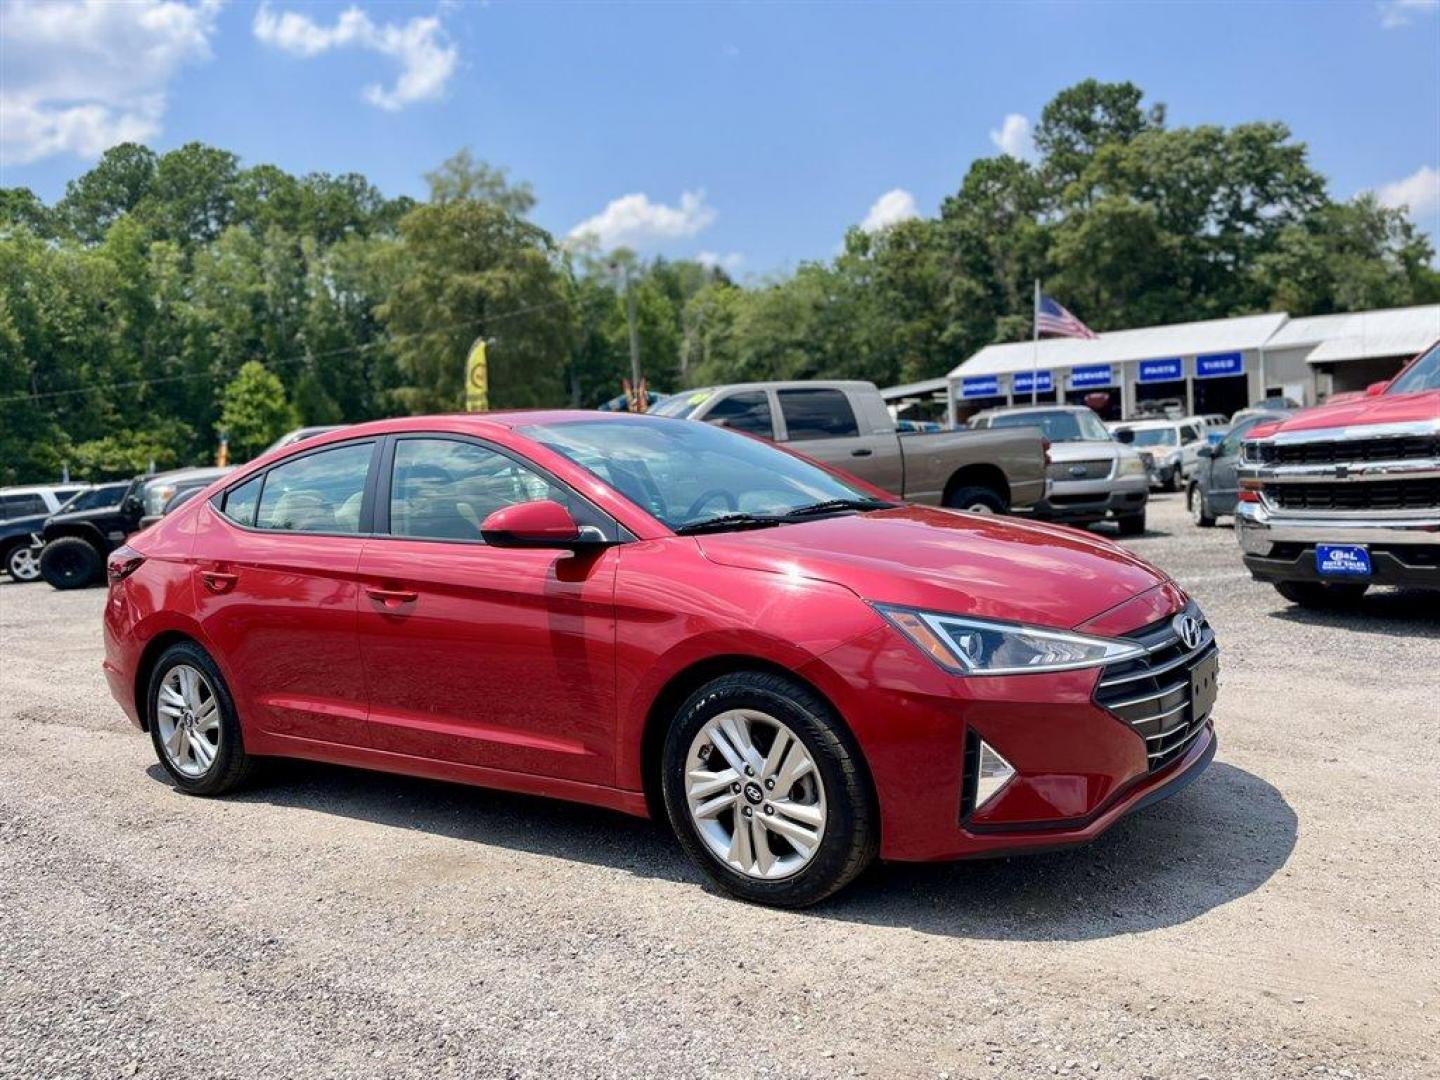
(367, 500)
(615, 533)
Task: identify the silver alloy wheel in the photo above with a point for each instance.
(188, 713)
(1197, 505)
(755, 795)
(25, 563)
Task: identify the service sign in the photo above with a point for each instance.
(1026, 382)
(1218, 365)
(1092, 375)
(979, 386)
(1171, 369)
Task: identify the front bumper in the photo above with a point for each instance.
(1079, 766)
(1404, 548)
(1074, 502)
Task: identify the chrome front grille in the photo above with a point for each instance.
(1344, 451)
(1153, 694)
(1080, 470)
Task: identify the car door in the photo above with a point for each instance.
(489, 656)
(821, 423)
(275, 564)
(1224, 486)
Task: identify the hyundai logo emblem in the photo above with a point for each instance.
(1187, 628)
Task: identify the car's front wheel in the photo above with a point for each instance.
(23, 563)
(1198, 513)
(193, 723)
(766, 790)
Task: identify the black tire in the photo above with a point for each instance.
(1174, 481)
(1131, 524)
(977, 500)
(71, 562)
(20, 563)
(1320, 596)
(852, 832)
(1195, 503)
(232, 767)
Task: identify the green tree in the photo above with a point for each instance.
(115, 186)
(254, 410)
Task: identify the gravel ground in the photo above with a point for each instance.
(1277, 919)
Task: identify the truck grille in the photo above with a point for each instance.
(1396, 448)
(1153, 694)
(1420, 494)
(1080, 470)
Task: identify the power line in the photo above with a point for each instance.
(345, 350)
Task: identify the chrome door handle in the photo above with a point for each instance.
(392, 598)
(218, 581)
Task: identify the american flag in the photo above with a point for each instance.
(1052, 318)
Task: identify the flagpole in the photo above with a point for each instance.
(1035, 354)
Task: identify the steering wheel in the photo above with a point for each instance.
(713, 493)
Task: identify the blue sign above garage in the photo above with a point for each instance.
(1083, 378)
(980, 386)
(1026, 381)
(1217, 365)
(1168, 370)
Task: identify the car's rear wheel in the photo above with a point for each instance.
(1316, 594)
(767, 791)
(23, 563)
(1198, 513)
(976, 500)
(70, 562)
(193, 723)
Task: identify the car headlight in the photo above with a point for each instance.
(968, 646)
(1132, 465)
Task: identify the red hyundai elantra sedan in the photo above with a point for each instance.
(644, 613)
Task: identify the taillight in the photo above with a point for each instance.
(1246, 496)
(1045, 445)
(123, 562)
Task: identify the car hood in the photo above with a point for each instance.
(1093, 450)
(968, 564)
(1383, 409)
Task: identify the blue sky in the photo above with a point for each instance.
(753, 133)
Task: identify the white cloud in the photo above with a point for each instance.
(1395, 13)
(1014, 137)
(421, 47)
(893, 207)
(1420, 192)
(730, 262)
(83, 75)
(635, 221)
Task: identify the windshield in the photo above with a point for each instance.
(1060, 425)
(1164, 436)
(1424, 374)
(681, 405)
(684, 472)
(95, 498)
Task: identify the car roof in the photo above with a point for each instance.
(1156, 423)
(27, 489)
(1011, 410)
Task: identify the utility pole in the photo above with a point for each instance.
(618, 269)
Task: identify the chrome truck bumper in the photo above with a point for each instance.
(1404, 550)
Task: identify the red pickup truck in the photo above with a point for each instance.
(1345, 496)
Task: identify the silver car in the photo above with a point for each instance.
(1092, 476)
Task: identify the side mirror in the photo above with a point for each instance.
(543, 523)
(1125, 435)
(1375, 389)
(1208, 450)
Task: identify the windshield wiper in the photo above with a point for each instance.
(725, 522)
(830, 506)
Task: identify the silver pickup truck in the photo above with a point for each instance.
(846, 424)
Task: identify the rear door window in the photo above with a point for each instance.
(747, 411)
(320, 492)
(817, 414)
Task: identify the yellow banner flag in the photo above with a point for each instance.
(477, 378)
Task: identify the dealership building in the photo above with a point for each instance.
(1216, 366)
